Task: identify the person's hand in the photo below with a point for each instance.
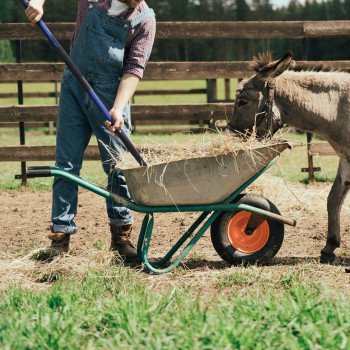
(119, 120)
(35, 11)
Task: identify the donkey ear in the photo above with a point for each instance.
(276, 68)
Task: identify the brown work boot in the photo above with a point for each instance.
(59, 245)
(120, 243)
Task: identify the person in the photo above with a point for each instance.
(111, 45)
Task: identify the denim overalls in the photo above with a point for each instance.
(98, 52)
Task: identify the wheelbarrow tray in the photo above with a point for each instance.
(196, 181)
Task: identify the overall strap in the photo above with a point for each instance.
(141, 17)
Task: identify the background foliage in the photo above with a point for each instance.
(203, 10)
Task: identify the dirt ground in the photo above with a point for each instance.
(25, 223)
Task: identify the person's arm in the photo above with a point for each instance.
(126, 90)
(134, 65)
(35, 11)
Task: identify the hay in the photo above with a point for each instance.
(197, 146)
(171, 166)
(26, 272)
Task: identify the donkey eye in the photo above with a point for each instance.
(242, 103)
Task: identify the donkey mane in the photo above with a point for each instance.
(263, 59)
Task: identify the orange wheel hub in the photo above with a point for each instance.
(240, 240)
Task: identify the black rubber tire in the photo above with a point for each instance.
(225, 249)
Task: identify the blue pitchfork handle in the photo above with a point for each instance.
(76, 72)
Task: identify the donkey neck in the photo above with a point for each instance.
(314, 101)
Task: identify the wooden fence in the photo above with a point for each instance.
(155, 71)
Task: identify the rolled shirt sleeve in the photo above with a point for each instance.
(140, 48)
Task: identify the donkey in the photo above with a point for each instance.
(310, 98)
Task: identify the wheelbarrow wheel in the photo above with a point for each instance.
(238, 244)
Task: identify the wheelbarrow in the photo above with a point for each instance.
(245, 228)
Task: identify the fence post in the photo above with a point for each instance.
(52, 124)
(304, 50)
(227, 90)
(212, 96)
(23, 175)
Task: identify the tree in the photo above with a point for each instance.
(202, 10)
(242, 11)
(6, 51)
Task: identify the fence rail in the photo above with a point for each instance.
(154, 71)
(158, 113)
(137, 93)
(39, 153)
(321, 148)
(202, 30)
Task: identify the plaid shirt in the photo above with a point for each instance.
(139, 41)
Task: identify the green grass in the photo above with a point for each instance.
(116, 309)
(290, 164)
(180, 84)
(28, 87)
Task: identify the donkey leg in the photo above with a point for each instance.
(334, 203)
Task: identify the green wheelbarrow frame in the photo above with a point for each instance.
(145, 235)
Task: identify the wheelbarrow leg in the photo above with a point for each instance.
(145, 238)
(182, 240)
(144, 230)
